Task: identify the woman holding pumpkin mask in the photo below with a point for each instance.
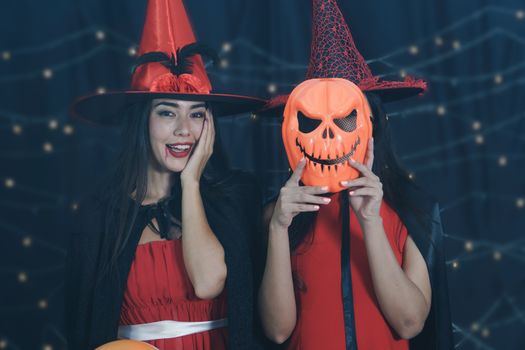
(356, 278)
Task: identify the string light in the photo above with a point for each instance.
(74, 206)
(132, 51)
(3, 343)
(253, 117)
(17, 129)
(441, 110)
(456, 44)
(520, 203)
(520, 14)
(100, 35)
(502, 161)
(42, 304)
(476, 125)
(48, 147)
(47, 347)
(479, 139)
(101, 90)
(272, 88)
(53, 124)
(402, 73)
(9, 183)
(485, 333)
(474, 327)
(6, 55)
(411, 176)
(496, 255)
(413, 49)
(469, 246)
(22, 277)
(224, 63)
(68, 129)
(47, 73)
(26, 242)
(455, 264)
(226, 46)
(438, 41)
(498, 79)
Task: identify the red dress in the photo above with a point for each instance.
(158, 289)
(317, 265)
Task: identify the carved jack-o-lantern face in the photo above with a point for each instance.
(327, 121)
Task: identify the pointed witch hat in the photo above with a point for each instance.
(169, 66)
(334, 55)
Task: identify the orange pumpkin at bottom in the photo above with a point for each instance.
(125, 344)
(327, 121)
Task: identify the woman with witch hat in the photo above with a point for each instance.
(367, 266)
(163, 254)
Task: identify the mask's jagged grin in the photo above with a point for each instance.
(329, 162)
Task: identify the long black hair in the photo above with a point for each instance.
(129, 178)
(387, 166)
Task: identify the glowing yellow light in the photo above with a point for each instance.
(74, 206)
(26, 242)
(455, 264)
(68, 129)
(441, 110)
(6, 55)
(498, 79)
(438, 41)
(476, 125)
(101, 90)
(480, 139)
(100, 35)
(411, 176)
(502, 161)
(520, 202)
(22, 277)
(48, 147)
(9, 183)
(456, 44)
(474, 327)
(496, 255)
(47, 73)
(414, 50)
(47, 347)
(469, 246)
(224, 63)
(17, 129)
(520, 14)
(272, 88)
(42, 304)
(53, 124)
(226, 46)
(132, 51)
(402, 73)
(485, 332)
(3, 344)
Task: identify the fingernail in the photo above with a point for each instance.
(324, 188)
(351, 192)
(326, 200)
(316, 206)
(344, 183)
(352, 160)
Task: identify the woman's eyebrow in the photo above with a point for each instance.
(169, 104)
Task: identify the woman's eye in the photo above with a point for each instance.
(198, 115)
(166, 113)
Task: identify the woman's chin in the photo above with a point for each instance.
(176, 165)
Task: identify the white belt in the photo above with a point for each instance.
(167, 329)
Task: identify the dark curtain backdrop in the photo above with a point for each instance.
(464, 141)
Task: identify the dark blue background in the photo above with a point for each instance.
(464, 140)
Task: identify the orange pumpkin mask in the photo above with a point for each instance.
(327, 121)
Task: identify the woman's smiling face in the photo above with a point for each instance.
(175, 127)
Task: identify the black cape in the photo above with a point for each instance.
(93, 300)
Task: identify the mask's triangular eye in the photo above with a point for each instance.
(347, 123)
(307, 124)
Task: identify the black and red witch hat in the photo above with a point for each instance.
(169, 66)
(334, 55)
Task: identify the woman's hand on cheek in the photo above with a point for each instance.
(201, 154)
